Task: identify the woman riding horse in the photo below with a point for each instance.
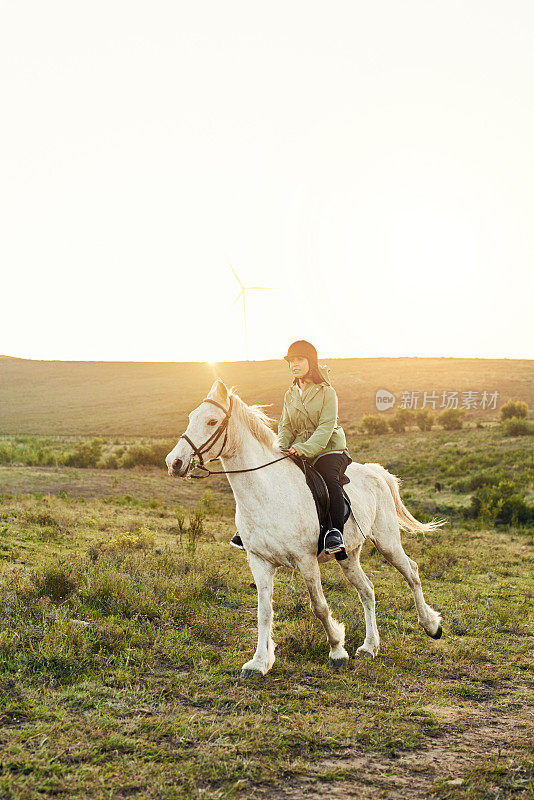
(309, 428)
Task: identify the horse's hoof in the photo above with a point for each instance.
(247, 673)
(437, 635)
(339, 663)
(363, 653)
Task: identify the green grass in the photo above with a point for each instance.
(122, 638)
(464, 463)
(125, 615)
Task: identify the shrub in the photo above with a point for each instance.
(180, 519)
(514, 408)
(29, 451)
(407, 415)
(503, 503)
(41, 519)
(196, 527)
(517, 426)
(5, 453)
(397, 423)
(56, 581)
(145, 455)
(476, 481)
(143, 540)
(451, 418)
(373, 424)
(85, 454)
(424, 419)
(111, 462)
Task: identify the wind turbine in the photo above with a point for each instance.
(242, 296)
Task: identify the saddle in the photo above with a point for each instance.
(319, 491)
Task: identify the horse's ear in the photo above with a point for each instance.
(218, 391)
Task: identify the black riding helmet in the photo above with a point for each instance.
(303, 349)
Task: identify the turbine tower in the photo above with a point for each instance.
(242, 295)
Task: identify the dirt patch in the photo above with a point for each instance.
(445, 713)
(413, 774)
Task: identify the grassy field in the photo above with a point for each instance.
(138, 399)
(126, 618)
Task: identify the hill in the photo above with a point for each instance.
(153, 399)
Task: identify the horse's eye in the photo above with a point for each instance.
(212, 422)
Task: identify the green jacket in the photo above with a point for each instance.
(309, 424)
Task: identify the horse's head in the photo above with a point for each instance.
(205, 435)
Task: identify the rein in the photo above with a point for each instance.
(233, 471)
(222, 428)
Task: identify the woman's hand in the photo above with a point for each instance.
(292, 451)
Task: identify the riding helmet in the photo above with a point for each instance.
(303, 349)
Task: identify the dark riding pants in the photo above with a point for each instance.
(332, 468)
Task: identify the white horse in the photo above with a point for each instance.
(277, 520)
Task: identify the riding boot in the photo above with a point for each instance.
(235, 541)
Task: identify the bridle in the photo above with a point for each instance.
(208, 444)
(217, 433)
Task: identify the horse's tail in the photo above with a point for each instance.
(406, 521)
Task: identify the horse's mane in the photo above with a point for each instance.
(255, 419)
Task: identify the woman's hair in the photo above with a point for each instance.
(314, 373)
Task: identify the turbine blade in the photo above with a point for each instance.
(235, 275)
(239, 296)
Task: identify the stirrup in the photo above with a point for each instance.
(338, 546)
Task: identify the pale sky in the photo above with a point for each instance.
(372, 161)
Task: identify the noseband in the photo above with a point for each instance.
(222, 428)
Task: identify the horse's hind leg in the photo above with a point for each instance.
(387, 540)
(353, 571)
(335, 631)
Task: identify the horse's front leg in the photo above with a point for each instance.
(263, 573)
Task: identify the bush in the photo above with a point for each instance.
(30, 451)
(196, 528)
(145, 455)
(373, 424)
(514, 408)
(407, 415)
(503, 503)
(111, 462)
(85, 454)
(451, 418)
(180, 519)
(397, 423)
(517, 426)
(142, 540)
(56, 581)
(402, 418)
(476, 481)
(424, 419)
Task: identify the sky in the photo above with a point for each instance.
(371, 162)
